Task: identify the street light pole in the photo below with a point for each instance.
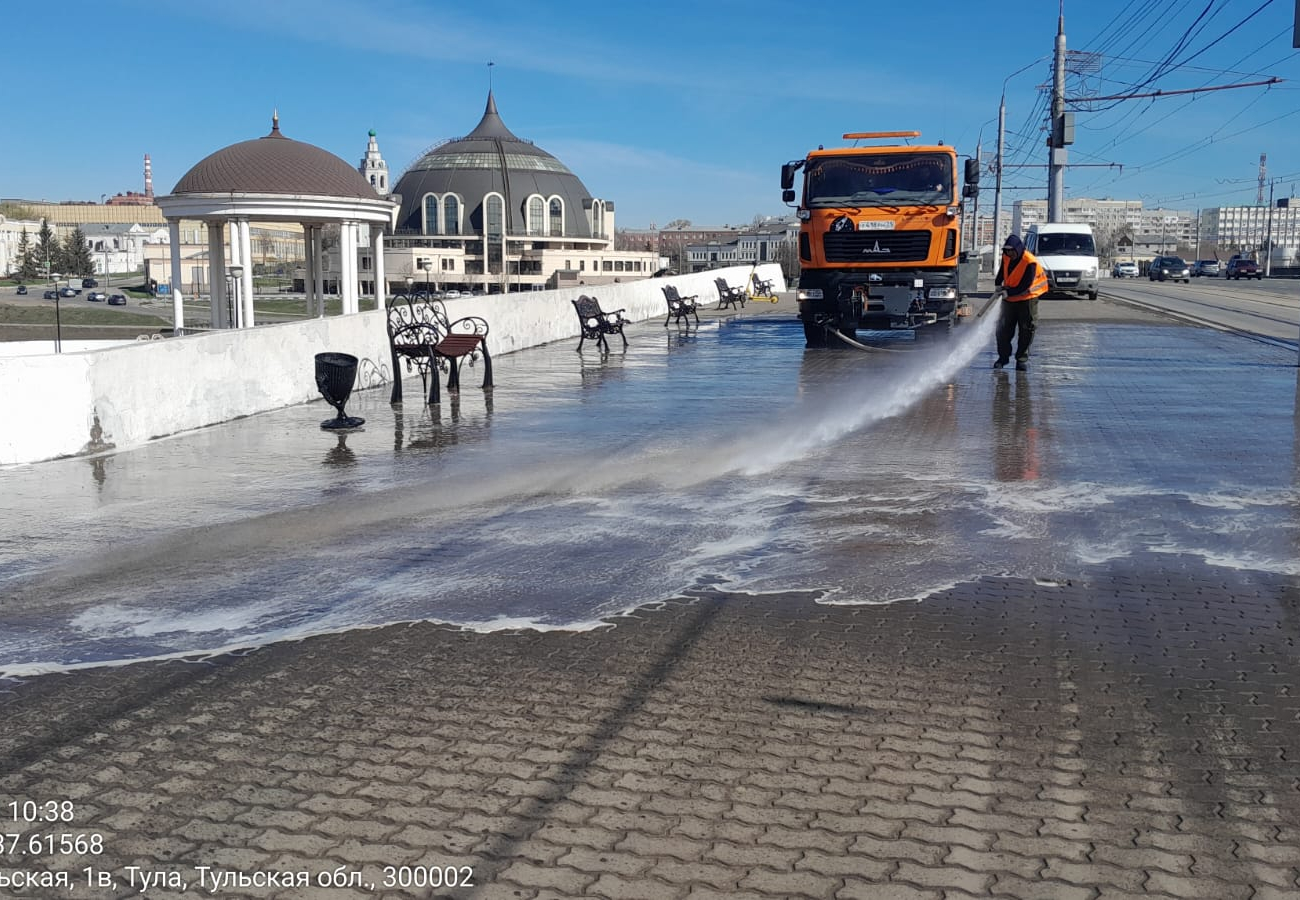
(58, 321)
(237, 277)
(997, 164)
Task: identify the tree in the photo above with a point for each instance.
(76, 254)
(27, 264)
(677, 223)
(1108, 239)
(48, 250)
(788, 259)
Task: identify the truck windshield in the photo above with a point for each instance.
(893, 179)
(1066, 243)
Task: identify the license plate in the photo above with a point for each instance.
(873, 225)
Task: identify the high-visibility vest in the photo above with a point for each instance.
(1039, 286)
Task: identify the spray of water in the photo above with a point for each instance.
(871, 396)
(820, 420)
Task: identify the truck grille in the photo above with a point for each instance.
(877, 246)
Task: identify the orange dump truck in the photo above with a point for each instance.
(880, 244)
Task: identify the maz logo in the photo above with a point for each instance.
(876, 249)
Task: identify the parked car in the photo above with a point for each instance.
(1240, 267)
(96, 296)
(1124, 270)
(116, 300)
(452, 295)
(89, 283)
(22, 289)
(1205, 267)
(69, 292)
(51, 295)
(1169, 268)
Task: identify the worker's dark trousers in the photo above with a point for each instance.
(1022, 315)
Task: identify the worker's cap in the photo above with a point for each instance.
(1013, 243)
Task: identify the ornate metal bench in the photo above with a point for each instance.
(596, 323)
(762, 288)
(728, 295)
(679, 307)
(420, 333)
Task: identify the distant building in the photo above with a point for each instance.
(136, 198)
(1109, 218)
(493, 212)
(769, 242)
(11, 236)
(1249, 229)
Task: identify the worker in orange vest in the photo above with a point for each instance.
(1022, 281)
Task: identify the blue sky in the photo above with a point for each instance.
(672, 109)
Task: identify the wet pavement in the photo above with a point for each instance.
(712, 617)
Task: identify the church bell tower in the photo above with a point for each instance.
(374, 169)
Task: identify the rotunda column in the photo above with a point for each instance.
(309, 268)
(318, 270)
(177, 277)
(246, 281)
(381, 274)
(217, 274)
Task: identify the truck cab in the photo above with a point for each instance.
(879, 236)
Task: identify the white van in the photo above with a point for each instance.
(1068, 254)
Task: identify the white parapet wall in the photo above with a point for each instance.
(74, 403)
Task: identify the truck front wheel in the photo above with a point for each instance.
(814, 335)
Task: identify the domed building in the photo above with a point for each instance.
(274, 179)
(493, 212)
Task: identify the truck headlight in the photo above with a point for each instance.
(1090, 272)
(942, 293)
(809, 294)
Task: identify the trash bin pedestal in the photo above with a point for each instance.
(335, 375)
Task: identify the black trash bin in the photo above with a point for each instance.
(335, 375)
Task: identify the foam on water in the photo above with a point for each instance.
(823, 478)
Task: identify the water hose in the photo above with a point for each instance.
(997, 295)
(852, 343)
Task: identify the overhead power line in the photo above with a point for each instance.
(1199, 90)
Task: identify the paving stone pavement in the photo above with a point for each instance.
(1134, 735)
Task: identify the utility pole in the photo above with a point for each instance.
(1268, 235)
(1062, 132)
(975, 206)
(998, 237)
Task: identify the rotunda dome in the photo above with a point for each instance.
(275, 164)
